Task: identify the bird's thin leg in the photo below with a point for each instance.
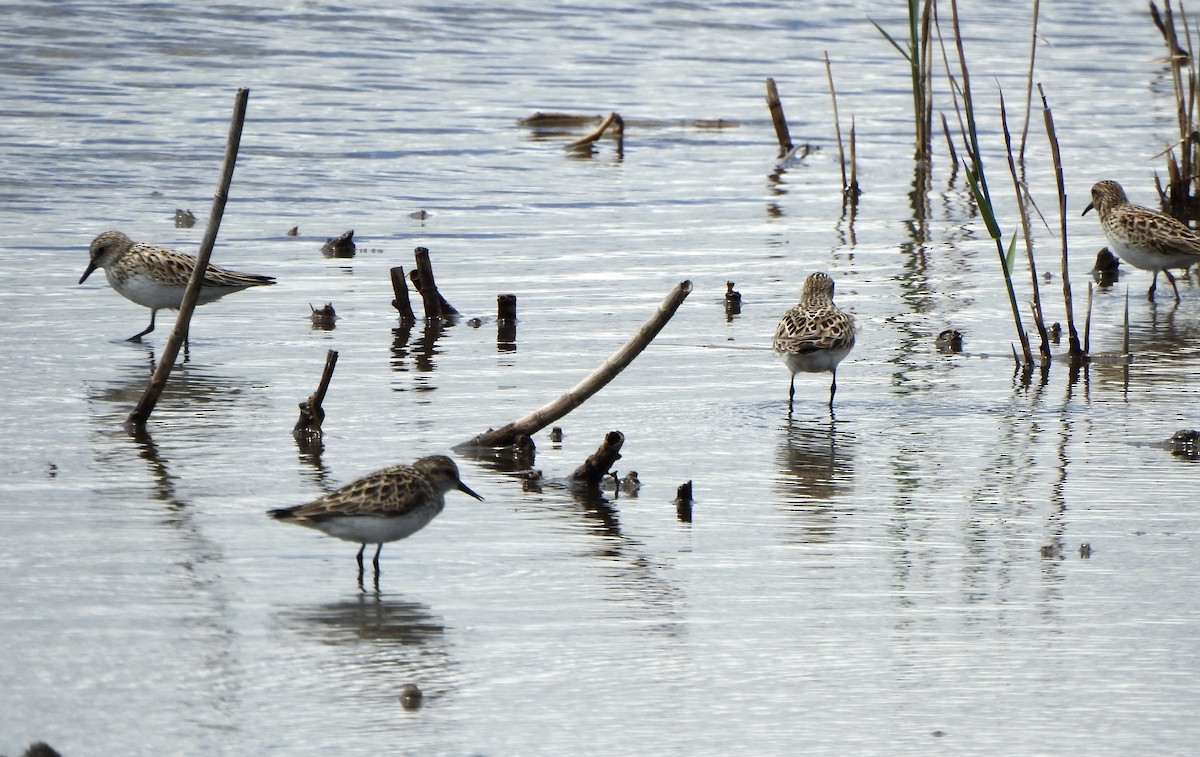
(791, 392)
(360, 565)
(1174, 286)
(1153, 286)
(832, 389)
(375, 562)
(140, 334)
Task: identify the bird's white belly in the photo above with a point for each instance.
(814, 362)
(150, 292)
(1140, 258)
(372, 529)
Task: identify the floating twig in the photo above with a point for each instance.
(614, 121)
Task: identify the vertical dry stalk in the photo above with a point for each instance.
(837, 124)
(158, 381)
(1074, 349)
(1023, 209)
(1029, 81)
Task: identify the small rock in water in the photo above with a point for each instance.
(556, 434)
(949, 341)
(1105, 271)
(184, 219)
(733, 300)
(41, 749)
(1052, 551)
(630, 484)
(294, 231)
(323, 318)
(1055, 332)
(419, 215)
(1085, 550)
(532, 481)
(411, 697)
(340, 247)
(1186, 443)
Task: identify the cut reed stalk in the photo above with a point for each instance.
(1023, 210)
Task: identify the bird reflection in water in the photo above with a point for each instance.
(815, 466)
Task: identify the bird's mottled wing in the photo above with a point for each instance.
(802, 331)
(391, 491)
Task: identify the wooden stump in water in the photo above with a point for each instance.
(436, 306)
(775, 105)
(312, 410)
(600, 462)
(683, 503)
(402, 302)
(506, 320)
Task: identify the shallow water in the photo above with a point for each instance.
(873, 583)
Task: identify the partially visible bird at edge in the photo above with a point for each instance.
(1142, 237)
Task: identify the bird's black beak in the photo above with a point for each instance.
(1090, 206)
(467, 490)
(91, 267)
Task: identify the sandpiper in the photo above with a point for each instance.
(814, 336)
(155, 277)
(387, 505)
(1143, 237)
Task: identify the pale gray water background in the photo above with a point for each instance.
(873, 585)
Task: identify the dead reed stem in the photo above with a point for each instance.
(1074, 349)
(158, 380)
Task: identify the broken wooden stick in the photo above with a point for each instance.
(612, 120)
(158, 381)
(312, 410)
(436, 305)
(781, 128)
(599, 463)
(402, 302)
(596, 381)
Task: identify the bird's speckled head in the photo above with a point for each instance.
(105, 249)
(817, 291)
(443, 473)
(1106, 194)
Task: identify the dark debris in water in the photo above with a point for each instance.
(949, 341)
(1186, 443)
(184, 219)
(340, 247)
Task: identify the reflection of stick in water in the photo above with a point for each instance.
(576, 396)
